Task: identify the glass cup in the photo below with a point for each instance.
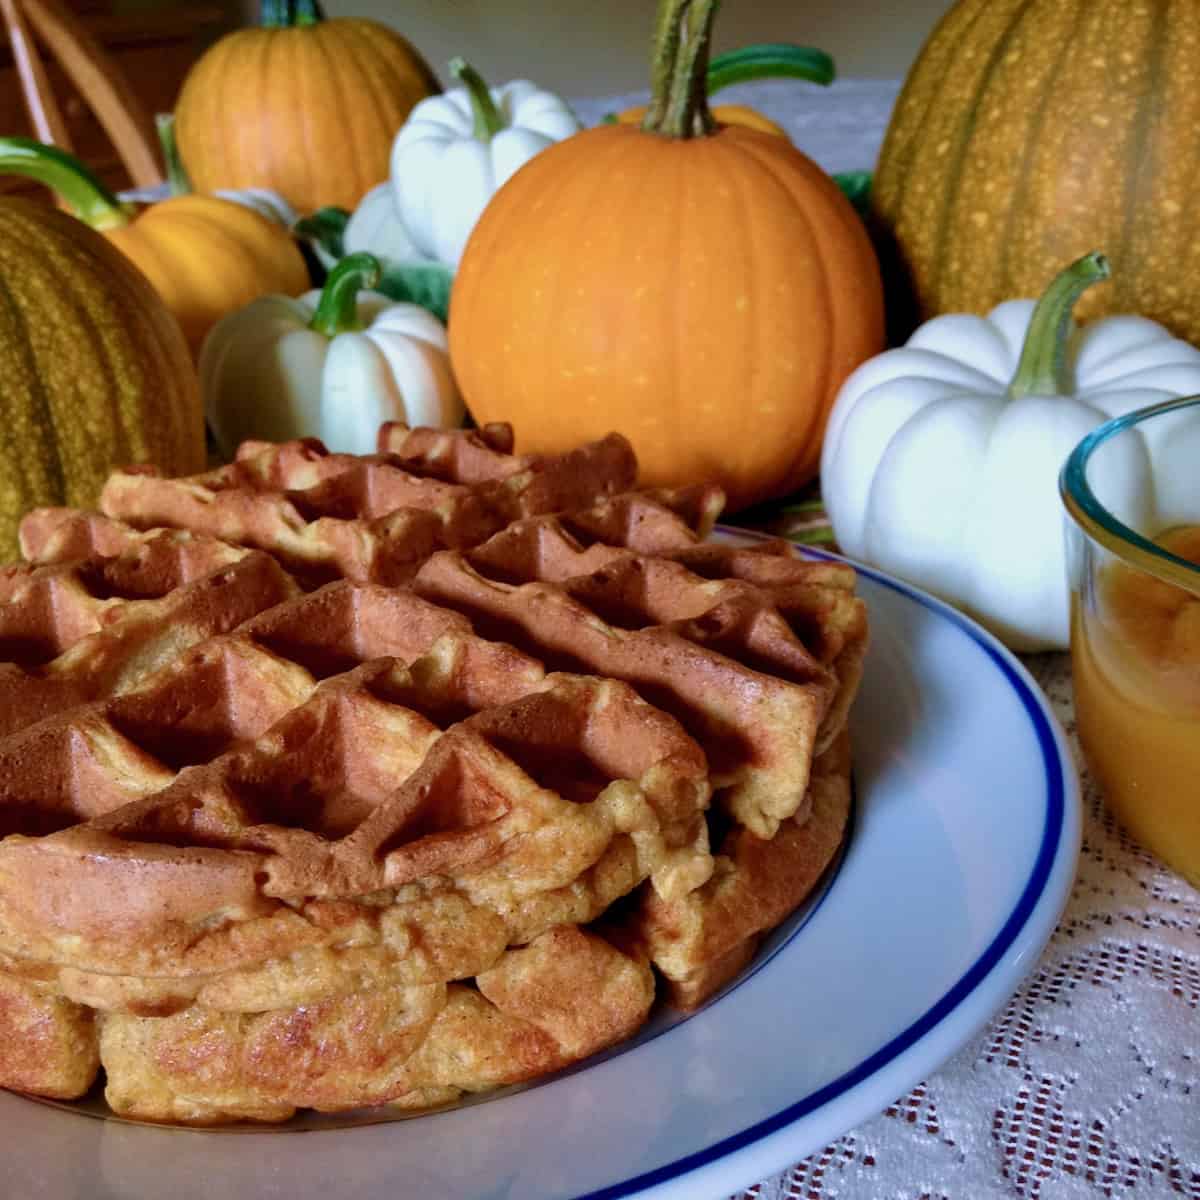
(1132, 493)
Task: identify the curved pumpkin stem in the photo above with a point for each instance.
(679, 70)
(83, 193)
(488, 119)
(770, 60)
(337, 310)
(178, 183)
(1041, 370)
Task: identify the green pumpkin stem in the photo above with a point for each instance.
(488, 119)
(283, 14)
(178, 182)
(337, 310)
(306, 13)
(67, 178)
(771, 60)
(679, 69)
(1042, 370)
(665, 50)
(274, 14)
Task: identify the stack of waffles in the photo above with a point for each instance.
(328, 781)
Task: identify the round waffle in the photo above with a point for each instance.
(388, 779)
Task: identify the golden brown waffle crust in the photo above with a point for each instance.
(330, 781)
(118, 895)
(702, 940)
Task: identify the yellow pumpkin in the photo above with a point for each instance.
(205, 256)
(703, 290)
(308, 109)
(208, 257)
(94, 371)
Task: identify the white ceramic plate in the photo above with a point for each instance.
(961, 857)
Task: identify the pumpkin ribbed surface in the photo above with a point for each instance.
(308, 111)
(207, 257)
(94, 371)
(1030, 132)
(706, 297)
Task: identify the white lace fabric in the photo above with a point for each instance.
(1088, 1083)
(841, 126)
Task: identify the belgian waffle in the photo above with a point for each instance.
(545, 1005)
(275, 723)
(78, 631)
(370, 518)
(362, 842)
(774, 658)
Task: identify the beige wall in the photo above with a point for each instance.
(594, 47)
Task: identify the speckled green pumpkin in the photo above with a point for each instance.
(94, 371)
(1030, 132)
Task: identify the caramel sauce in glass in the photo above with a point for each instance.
(1136, 663)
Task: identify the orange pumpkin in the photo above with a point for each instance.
(205, 256)
(308, 109)
(703, 290)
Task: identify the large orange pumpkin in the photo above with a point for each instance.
(702, 290)
(306, 107)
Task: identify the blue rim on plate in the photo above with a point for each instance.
(1003, 941)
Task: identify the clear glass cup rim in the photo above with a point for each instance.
(1100, 525)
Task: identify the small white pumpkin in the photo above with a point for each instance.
(375, 227)
(941, 458)
(333, 364)
(456, 150)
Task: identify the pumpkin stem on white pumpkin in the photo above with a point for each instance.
(488, 118)
(67, 178)
(679, 70)
(1041, 370)
(337, 310)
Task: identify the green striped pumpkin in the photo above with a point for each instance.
(94, 371)
(1030, 132)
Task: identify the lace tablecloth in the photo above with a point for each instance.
(1088, 1083)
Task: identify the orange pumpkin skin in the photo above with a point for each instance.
(207, 257)
(706, 297)
(309, 111)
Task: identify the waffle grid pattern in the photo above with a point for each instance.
(330, 782)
